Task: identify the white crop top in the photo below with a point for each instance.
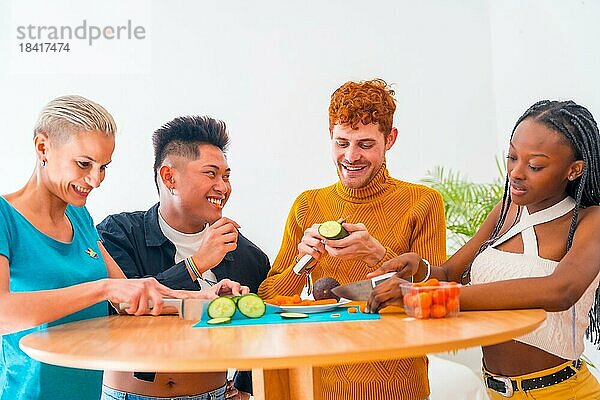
(562, 333)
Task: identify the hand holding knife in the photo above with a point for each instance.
(361, 290)
(307, 262)
(190, 309)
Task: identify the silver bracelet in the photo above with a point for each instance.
(428, 274)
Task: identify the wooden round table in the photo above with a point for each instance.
(280, 356)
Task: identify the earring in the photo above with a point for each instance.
(172, 191)
(571, 177)
(43, 163)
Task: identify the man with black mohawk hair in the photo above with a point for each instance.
(185, 243)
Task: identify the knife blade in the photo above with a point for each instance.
(190, 309)
(361, 290)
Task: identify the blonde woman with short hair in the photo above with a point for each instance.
(53, 269)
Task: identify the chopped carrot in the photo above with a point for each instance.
(323, 301)
(432, 282)
(295, 300)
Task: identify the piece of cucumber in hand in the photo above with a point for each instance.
(332, 230)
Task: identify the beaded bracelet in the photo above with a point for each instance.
(189, 268)
(189, 262)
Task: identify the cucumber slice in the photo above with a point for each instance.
(293, 315)
(251, 306)
(235, 299)
(221, 307)
(332, 230)
(223, 320)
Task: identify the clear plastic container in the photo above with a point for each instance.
(431, 299)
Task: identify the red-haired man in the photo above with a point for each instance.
(385, 217)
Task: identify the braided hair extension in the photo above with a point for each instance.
(577, 124)
(578, 127)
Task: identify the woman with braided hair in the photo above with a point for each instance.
(538, 248)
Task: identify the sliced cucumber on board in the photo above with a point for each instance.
(215, 321)
(251, 306)
(293, 315)
(221, 307)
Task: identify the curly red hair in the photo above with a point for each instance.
(366, 102)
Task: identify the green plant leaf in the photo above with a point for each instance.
(466, 203)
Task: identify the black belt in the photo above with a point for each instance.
(506, 386)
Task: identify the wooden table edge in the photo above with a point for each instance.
(196, 365)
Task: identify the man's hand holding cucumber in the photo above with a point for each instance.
(342, 240)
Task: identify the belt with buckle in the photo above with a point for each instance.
(506, 386)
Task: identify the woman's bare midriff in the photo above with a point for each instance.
(166, 384)
(515, 358)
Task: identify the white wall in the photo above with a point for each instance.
(463, 72)
(543, 49)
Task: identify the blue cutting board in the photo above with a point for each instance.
(272, 317)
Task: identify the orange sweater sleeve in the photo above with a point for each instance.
(428, 237)
(429, 234)
(282, 280)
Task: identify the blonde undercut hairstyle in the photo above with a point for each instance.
(67, 115)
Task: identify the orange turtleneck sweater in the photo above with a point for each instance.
(403, 217)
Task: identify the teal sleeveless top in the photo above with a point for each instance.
(39, 262)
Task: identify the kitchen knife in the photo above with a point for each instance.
(361, 290)
(190, 309)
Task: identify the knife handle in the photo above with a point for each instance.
(381, 278)
(305, 262)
